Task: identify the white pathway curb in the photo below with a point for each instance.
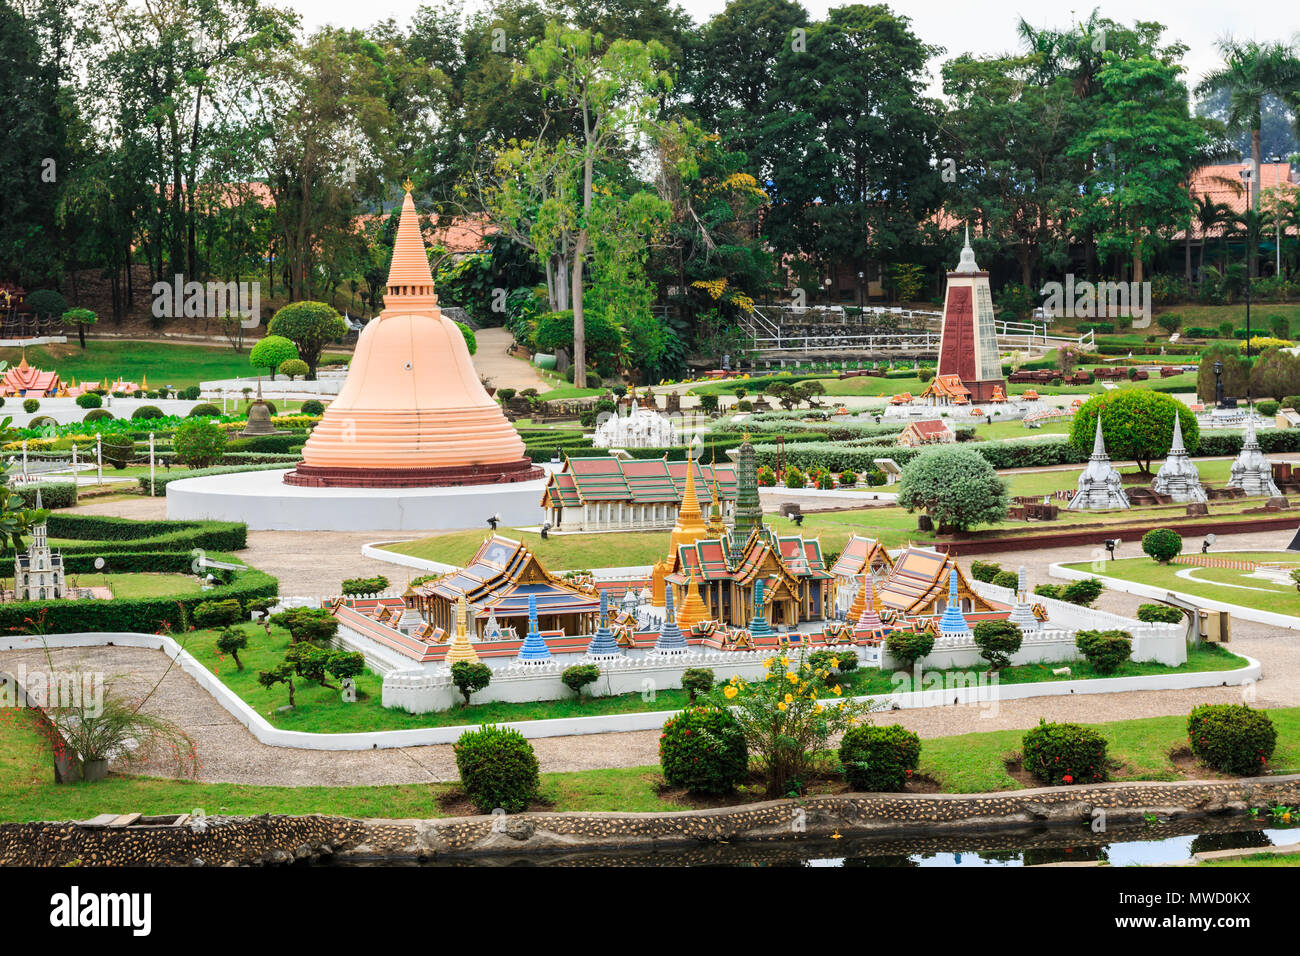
(1159, 593)
(985, 697)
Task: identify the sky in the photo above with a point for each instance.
(981, 27)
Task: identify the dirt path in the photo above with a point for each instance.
(503, 370)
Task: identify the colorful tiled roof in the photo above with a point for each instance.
(639, 481)
(919, 578)
(502, 576)
(859, 555)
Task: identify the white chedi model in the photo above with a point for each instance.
(1252, 472)
(1099, 485)
(1178, 476)
(642, 428)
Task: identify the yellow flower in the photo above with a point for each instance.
(792, 677)
(818, 709)
(837, 690)
(789, 698)
(835, 662)
(730, 692)
(781, 706)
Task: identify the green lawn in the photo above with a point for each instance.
(319, 709)
(1265, 595)
(1258, 859)
(175, 365)
(970, 763)
(1213, 472)
(136, 585)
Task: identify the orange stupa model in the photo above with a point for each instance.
(412, 412)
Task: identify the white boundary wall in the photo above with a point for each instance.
(569, 726)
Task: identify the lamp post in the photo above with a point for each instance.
(861, 298)
(1218, 384)
(1249, 176)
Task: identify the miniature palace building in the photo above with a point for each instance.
(1178, 477)
(38, 573)
(1252, 472)
(613, 494)
(412, 412)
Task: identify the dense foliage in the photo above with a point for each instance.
(498, 769)
(1232, 738)
(1063, 754)
(879, 759)
(703, 750)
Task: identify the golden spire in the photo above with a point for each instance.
(692, 610)
(461, 649)
(408, 185)
(690, 519)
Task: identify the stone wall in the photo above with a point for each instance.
(280, 839)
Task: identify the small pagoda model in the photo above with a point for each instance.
(38, 574)
(952, 623)
(1022, 615)
(1100, 485)
(1252, 472)
(1178, 477)
(968, 345)
(603, 645)
(259, 417)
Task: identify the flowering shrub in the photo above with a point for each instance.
(848, 479)
(1232, 738)
(766, 477)
(784, 723)
(794, 478)
(498, 769)
(1059, 754)
(703, 750)
(879, 759)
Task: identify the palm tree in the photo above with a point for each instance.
(1251, 71)
(1210, 215)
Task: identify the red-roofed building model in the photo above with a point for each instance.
(968, 346)
(608, 494)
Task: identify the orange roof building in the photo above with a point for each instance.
(27, 381)
(412, 412)
(930, 432)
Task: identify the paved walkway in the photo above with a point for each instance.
(503, 370)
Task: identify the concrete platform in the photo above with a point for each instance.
(264, 502)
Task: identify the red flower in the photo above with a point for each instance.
(1068, 779)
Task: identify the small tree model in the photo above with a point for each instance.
(308, 661)
(310, 326)
(218, 613)
(280, 674)
(293, 368)
(577, 677)
(231, 641)
(470, 676)
(307, 624)
(955, 486)
(997, 641)
(1162, 544)
(199, 443)
(272, 352)
(697, 680)
(909, 647)
(80, 318)
(262, 608)
(346, 665)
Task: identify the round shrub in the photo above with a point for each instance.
(925, 374)
(199, 443)
(218, 613)
(146, 413)
(1163, 544)
(89, 400)
(43, 421)
(908, 647)
(997, 641)
(312, 407)
(697, 680)
(1007, 579)
(31, 405)
(97, 414)
(204, 410)
(1268, 408)
(1231, 738)
(577, 677)
(794, 478)
(1058, 754)
(192, 393)
(703, 750)
(498, 769)
(1083, 592)
(1159, 614)
(293, 368)
(117, 450)
(879, 759)
(1105, 650)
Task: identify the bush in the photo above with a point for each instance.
(766, 477)
(1082, 593)
(1136, 423)
(1007, 579)
(1268, 408)
(697, 680)
(908, 647)
(879, 759)
(212, 614)
(293, 368)
(199, 443)
(848, 479)
(470, 676)
(956, 486)
(1231, 738)
(985, 571)
(794, 478)
(231, 642)
(147, 413)
(1162, 544)
(312, 407)
(1105, 650)
(703, 750)
(271, 353)
(997, 641)
(307, 624)
(579, 676)
(97, 415)
(89, 400)
(355, 586)
(1159, 614)
(709, 403)
(31, 405)
(1060, 754)
(204, 410)
(925, 374)
(498, 769)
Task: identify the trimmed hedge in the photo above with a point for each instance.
(275, 444)
(161, 481)
(58, 494)
(149, 615)
(1063, 754)
(1231, 737)
(879, 759)
(127, 535)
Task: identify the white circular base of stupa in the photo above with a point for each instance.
(264, 502)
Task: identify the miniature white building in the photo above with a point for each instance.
(1252, 472)
(38, 574)
(642, 428)
(1178, 476)
(1100, 485)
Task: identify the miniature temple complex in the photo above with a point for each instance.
(640, 494)
(38, 573)
(1252, 472)
(412, 412)
(506, 581)
(640, 428)
(1100, 485)
(968, 346)
(932, 432)
(1178, 477)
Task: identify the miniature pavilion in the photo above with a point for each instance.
(608, 494)
(501, 582)
(412, 412)
(27, 381)
(919, 584)
(968, 345)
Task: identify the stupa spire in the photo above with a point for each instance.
(534, 649)
(671, 640)
(461, 649)
(1098, 445)
(953, 623)
(603, 643)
